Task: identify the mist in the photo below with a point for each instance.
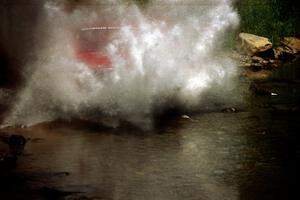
(174, 59)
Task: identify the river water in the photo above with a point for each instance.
(212, 155)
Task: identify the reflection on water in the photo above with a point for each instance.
(246, 155)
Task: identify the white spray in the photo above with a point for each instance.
(174, 55)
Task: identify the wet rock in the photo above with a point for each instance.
(253, 44)
(256, 66)
(264, 62)
(283, 53)
(255, 62)
(185, 117)
(258, 63)
(259, 60)
(243, 60)
(292, 43)
(274, 62)
(229, 110)
(288, 50)
(274, 94)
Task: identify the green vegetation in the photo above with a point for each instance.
(270, 18)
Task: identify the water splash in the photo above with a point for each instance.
(174, 55)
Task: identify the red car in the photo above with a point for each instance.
(90, 43)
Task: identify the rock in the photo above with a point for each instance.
(258, 59)
(253, 44)
(274, 94)
(289, 49)
(255, 62)
(292, 43)
(283, 53)
(260, 62)
(185, 117)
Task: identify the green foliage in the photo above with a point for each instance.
(270, 18)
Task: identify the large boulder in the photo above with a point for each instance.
(253, 44)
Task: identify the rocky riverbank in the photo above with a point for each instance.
(258, 57)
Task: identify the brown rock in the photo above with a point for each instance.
(283, 53)
(292, 43)
(258, 62)
(257, 59)
(253, 44)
